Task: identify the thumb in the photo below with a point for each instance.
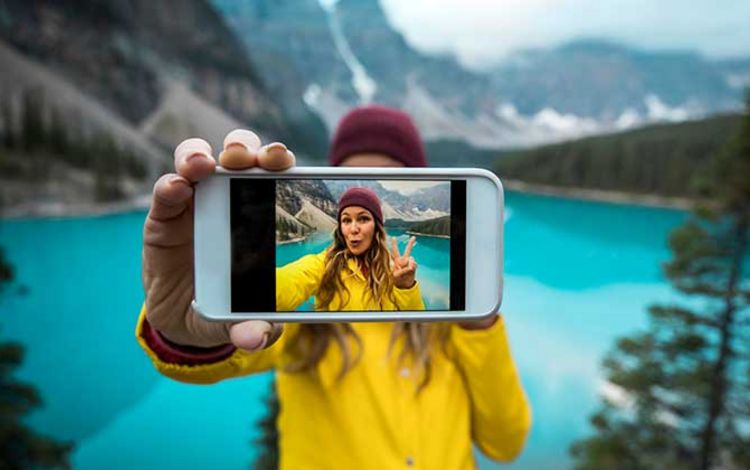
(254, 335)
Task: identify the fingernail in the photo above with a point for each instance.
(243, 137)
(276, 147)
(236, 144)
(262, 343)
(177, 180)
(195, 156)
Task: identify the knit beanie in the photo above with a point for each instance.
(362, 197)
(378, 129)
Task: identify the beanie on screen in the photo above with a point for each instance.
(362, 197)
(378, 129)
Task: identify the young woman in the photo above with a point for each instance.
(357, 272)
(360, 395)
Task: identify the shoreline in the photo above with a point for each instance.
(599, 195)
(419, 234)
(60, 210)
(143, 201)
(292, 240)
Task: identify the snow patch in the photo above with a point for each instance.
(311, 96)
(362, 83)
(414, 215)
(407, 188)
(659, 111)
(629, 118)
(565, 124)
(328, 5)
(547, 124)
(324, 102)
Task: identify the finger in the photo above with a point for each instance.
(394, 250)
(240, 150)
(254, 335)
(193, 160)
(170, 197)
(275, 157)
(409, 246)
(412, 266)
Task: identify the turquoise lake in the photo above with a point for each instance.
(577, 275)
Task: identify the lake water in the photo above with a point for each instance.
(577, 275)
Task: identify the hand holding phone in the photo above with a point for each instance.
(168, 243)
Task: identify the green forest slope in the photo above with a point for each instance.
(670, 160)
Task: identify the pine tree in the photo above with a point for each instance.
(20, 447)
(685, 381)
(268, 442)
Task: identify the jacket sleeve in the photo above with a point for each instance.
(409, 299)
(500, 411)
(200, 365)
(298, 280)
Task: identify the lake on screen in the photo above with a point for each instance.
(577, 276)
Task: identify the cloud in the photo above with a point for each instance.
(482, 32)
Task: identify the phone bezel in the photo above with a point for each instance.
(484, 248)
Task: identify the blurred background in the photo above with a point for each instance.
(606, 121)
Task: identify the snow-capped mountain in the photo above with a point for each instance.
(329, 56)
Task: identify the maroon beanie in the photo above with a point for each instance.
(378, 129)
(362, 197)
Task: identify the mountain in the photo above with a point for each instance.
(144, 75)
(291, 195)
(303, 207)
(288, 228)
(598, 83)
(127, 53)
(669, 160)
(422, 204)
(346, 54)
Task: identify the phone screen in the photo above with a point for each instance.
(292, 249)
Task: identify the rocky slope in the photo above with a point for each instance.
(142, 74)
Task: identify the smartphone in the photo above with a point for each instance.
(266, 244)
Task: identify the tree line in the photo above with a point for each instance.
(670, 160)
(34, 135)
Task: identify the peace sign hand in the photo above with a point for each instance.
(404, 266)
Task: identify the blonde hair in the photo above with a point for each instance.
(312, 340)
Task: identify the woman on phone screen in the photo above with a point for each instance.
(352, 395)
(358, 271)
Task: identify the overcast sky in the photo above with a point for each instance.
(481, 32)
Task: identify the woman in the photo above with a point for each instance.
(359, 395)
(357, 272)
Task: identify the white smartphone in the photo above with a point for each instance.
(253, 228)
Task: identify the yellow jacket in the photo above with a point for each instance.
(373, 418)
(299, 280)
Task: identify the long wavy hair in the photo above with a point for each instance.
(312, 340)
